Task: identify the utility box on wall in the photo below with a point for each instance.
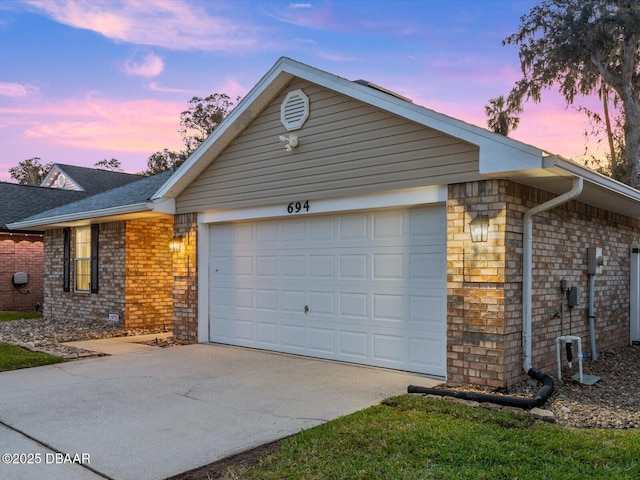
(595, 261)
(635, 295)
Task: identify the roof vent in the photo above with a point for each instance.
(294, 110)
(366, 83)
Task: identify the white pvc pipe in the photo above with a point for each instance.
(527, 265)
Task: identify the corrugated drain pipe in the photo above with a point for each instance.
(527, 277)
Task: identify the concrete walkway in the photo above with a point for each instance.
(153, 413)
(119, 345)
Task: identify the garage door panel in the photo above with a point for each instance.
(353, 266)
(427, 310)
(388, 225)
(389, 348)
(322, 303)
(294, 231)
(294, 337)
(322, 340)
(294, 266)
(426, 266)
(427, 354)
(267, 334)
(321, 229)
(293, 300)
(352, 304)
(367, 287)
(267, 266)
(354, 227)
(389, 266)
(389, 307)
(353, 344)
(267, 299)
(321, 266)
(242, 266)
(266, 233)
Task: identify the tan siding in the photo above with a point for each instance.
(346, 148)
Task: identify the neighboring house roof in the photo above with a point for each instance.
(125, 202)
(91, 180)
(21, 201)
(499, 156)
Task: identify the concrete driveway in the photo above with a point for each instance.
(154, 413)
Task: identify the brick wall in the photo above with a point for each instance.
(111, 277)
(485, 280)
(134, 275)
(148, 284)
(185, 279)
(561, 239)
(476, 286)
(21, 253)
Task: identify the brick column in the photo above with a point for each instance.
(476, 286)
(185, 279)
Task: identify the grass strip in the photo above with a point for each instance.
(412, 437)
(8, 316)
(13, 357)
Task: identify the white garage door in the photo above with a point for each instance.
(360, 287)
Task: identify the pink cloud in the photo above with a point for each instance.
(144, 64)
(16, 90)
(172, 24)
(156, 87)
(96, 123)
(548, 125)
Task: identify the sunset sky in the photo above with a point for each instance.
(83, 81)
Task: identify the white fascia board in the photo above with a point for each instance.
(497, 153)
(203, 285)
(591, 176)
(53, 171)
(82, 216)
(163, 205)
(398, 198)
(239, 118)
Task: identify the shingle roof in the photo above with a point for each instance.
(95, 180)
(22, 201)
(132, 194)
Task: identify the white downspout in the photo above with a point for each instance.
(527, 264)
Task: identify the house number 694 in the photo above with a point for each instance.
(297, 207)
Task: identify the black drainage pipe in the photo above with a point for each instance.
(525, 403)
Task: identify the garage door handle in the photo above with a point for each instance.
(306, 309)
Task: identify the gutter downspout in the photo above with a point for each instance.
(527, 260)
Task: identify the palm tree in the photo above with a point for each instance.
(502, 115)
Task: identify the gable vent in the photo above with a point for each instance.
(294, 110)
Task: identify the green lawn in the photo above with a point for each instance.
(412, 437)
(13, 357)
(5, 316)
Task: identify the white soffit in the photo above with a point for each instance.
(557, 174)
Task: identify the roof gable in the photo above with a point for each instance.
(129, 199)
(85, 179)
(497, 153)
(499, 157)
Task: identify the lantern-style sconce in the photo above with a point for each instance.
(175, 244)
(479, 227)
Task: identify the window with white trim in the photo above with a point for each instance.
(83, 259)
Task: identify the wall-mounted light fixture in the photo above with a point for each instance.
(175, 244)
(479, 227)
(291, 142)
